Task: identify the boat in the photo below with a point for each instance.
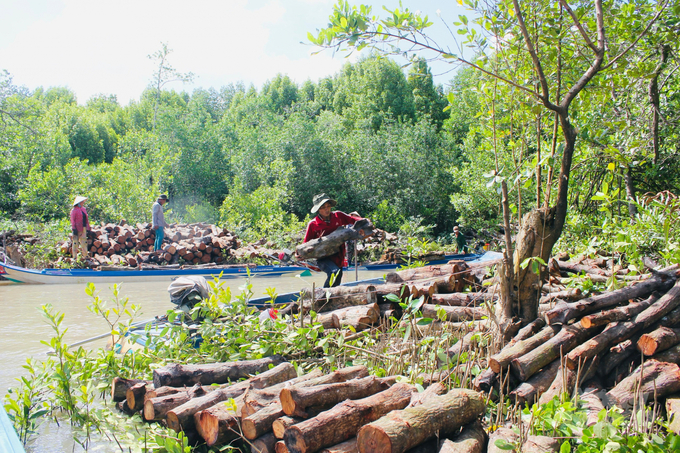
(9, 441)
(167, 273)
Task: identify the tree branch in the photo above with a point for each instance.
(580, 28)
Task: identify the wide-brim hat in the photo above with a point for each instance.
(319, 200)
(79, 200)
(163, 197)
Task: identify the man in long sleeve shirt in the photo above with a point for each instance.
(158, 221)
(323, 224)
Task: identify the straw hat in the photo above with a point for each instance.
(79, 200)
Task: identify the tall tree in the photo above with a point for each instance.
(164, 75)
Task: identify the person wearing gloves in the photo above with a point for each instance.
(323, 224)
(80, 225)
(158, 221)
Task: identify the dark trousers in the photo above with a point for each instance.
(330, 268)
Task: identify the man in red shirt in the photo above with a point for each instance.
(323, 224)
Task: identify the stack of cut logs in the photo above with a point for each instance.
(363, 306)
(123, 244)
(277, 411)
(595, 345)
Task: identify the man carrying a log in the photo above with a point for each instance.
(158, 221)
(326, 222)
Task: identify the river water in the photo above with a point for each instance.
(25, 325)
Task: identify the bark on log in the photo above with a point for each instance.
(562, 313)
(120, 386)
(348, 446)
(505, 434)
(619, 313)
(360, 318)
(344, 420)
(264, 444)
(220, 423)
(671, 355)
(617, 354)
(282, 423)
(527, 331)
(135, 396)
(572, 294)
(593, 405)
(518, 349)
(436, 389)
(329, 321)
(260, 422)
(403, 429)
(528, 393)
(330, 299)
(569, 336)
(295, 400)
(454, 314)
(621, 331)
(485, 381)
(177, 375)
(471, 440)
(651, 379)
(156, 409)
(462, 299)
(541, 444)
(658, 340)
(181, 418)
(425, 272)
(400, 290)
(330, 244)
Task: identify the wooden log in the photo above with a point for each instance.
(541, 444)
(471, 440)
(618, 354)
(571, 294)
(219, 423)
(485, 381)
(124, 408)
(403, 429)
(618, 314)
(673, 414)
(161, 391)
(359, 318)
(264, 444)
(562, 313)
(181, 418)
(467, 343)
(348, 446)
(658, 340)
(501, 360)
(156, 409)
(652, 379)
(262, 421)
(280, 425)
(296, 400)
(135, 396)
(576, 268)
(280, 447)
(454, 314)
(671, 355)
(462, 299)
(505, 435)
(329, 320)
(330, 244)
(120, 386)
(567, 339)
(331, 299)
(528, 393)
(344, 420)
(436, 389)
(621, 331)
(426, 272)
(593, 404)
(177, 375)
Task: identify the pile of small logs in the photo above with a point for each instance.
(617, 348)
(123, 244)
(277, 411)
(364, 306)
(12, 243)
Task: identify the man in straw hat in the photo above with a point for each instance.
(158, 221)
(80, 225)
(323, 224)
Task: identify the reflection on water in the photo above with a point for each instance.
(25, 326)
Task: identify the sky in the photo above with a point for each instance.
(98, 47)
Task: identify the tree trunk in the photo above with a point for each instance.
(471, 440)
(330, 244)
(403, 429)
(650, 380)
(344, 420)
(295, 400)
(181, 418)
(176, 375)
(567, 339)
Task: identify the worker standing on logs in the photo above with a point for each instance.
(326, 222)
(80, 225)
(158, 221)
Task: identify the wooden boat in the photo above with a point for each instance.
(167, 273)
(9, 441)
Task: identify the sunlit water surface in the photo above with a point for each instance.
(25, 327)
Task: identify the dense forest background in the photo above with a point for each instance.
(383, 140)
